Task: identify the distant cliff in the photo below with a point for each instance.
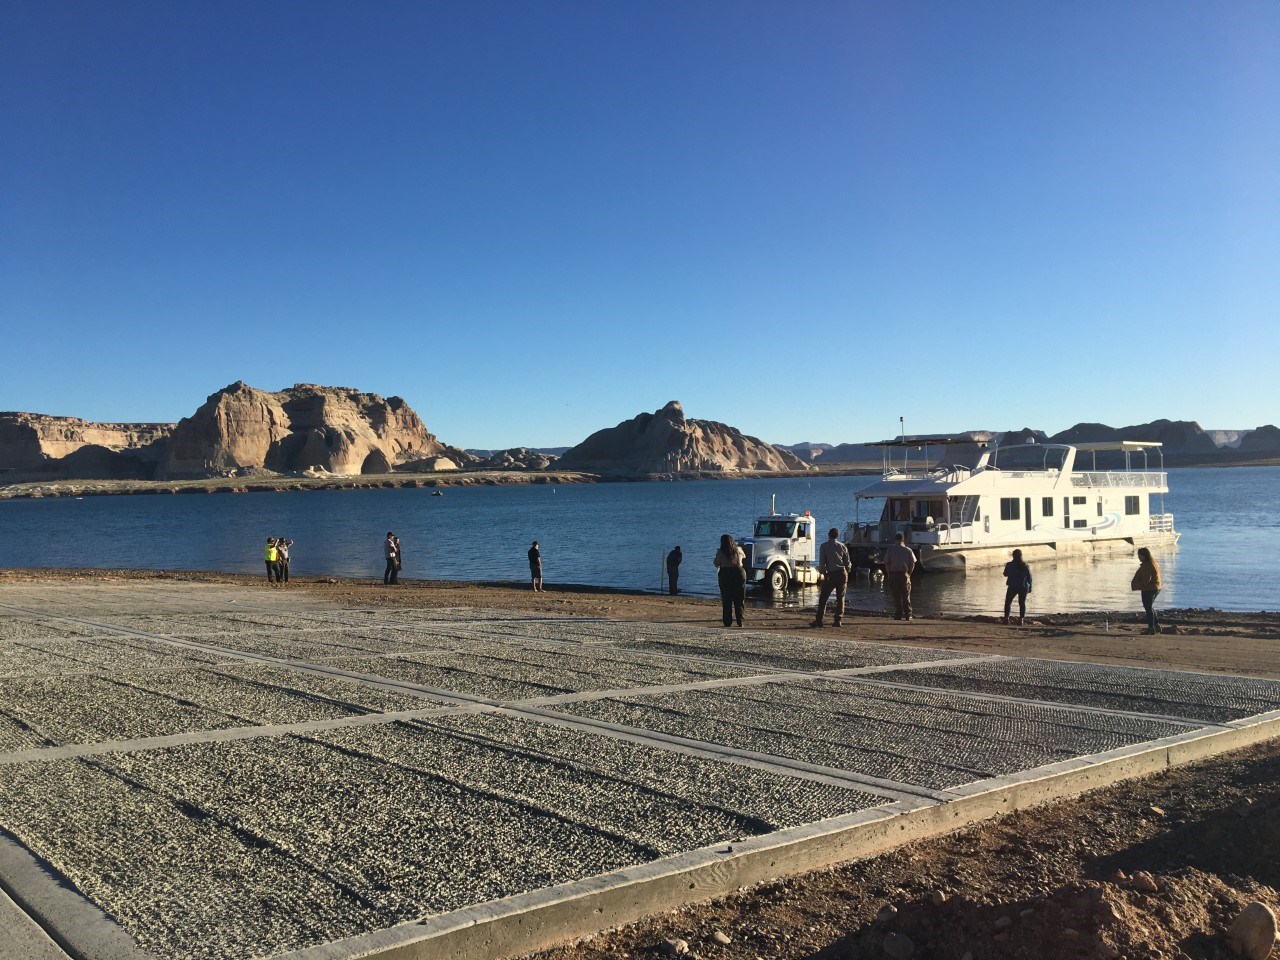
(71, 447)
(1184, 443)
(238, 430)
(666, 442)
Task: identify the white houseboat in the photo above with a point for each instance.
(1034, 496)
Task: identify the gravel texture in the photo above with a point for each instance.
(230, 850)
(1192, 696)
(51, 657)
(795, 653)
(932, 740)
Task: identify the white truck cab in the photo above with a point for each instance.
(782, 550)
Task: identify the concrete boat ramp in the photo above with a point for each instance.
(197, 771)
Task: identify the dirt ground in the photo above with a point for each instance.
(1153, 868)
(1206, 640)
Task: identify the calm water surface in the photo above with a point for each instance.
(617, 534)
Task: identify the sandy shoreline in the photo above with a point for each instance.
(1205, 640)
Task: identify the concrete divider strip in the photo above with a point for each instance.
(79, 928)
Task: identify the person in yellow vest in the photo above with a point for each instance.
(272, 556)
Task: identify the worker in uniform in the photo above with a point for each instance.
(833, 568)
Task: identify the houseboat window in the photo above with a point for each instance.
(1079, 500)
(1131, 506)
(1009, 508)
(1046, 507)
(1081, 523)
(1099, 506)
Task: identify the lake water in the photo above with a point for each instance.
(616, 534)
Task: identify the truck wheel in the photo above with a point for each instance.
(778, 577)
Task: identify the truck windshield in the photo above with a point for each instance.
(775, 528)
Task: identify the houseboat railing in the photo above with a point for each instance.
(1161, 523)
(1119, 478)
(953, 533)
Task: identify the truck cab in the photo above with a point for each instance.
(782, 551)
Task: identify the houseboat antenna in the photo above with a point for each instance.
(902, 435)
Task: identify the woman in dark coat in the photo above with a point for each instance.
(732, 577)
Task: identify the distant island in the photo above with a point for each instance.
(243, 439)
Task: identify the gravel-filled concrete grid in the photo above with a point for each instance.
(1167, 692)
(793, 653)
(179, 843)
(310, 646)
(519, 673)
(932, 740)
(51, 657)
(17, 629)
(247, 848)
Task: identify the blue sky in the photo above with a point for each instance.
(536, 219)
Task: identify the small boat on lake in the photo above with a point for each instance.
(1033, 496)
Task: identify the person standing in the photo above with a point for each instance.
(1017, 578)
(899, 562)
(1147, 580)
(535, 568)
(389, 551)
(673, 570)
(732, 578)
(282, 559)
(833, 567)
(272, 556)
(395, 577)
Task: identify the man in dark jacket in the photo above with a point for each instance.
(673, 570)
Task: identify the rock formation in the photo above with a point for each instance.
(1261, 440)
(665, 442)
(304, 428)
(1177, 436)
(517, 458)
(239, 430)
(68, 446)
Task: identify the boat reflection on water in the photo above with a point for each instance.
(1069, 586)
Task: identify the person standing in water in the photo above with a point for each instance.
(732, 578)
(1147, 582)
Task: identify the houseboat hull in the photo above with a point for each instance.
(955, 558)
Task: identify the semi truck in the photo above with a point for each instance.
(782, 551)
